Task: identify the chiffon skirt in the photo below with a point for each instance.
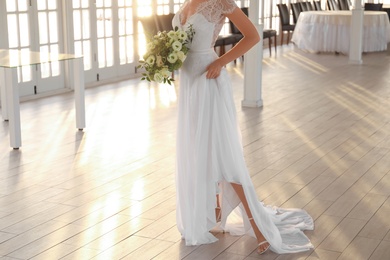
(210, 158)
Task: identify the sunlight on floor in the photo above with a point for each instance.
(309, 62)
(304, 64)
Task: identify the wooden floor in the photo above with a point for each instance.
(321, 142)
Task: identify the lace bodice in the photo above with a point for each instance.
(213, 11)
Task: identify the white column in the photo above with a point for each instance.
(3, 25)
(12, 95)
(356, 34)
(253, 63)
(79, 92)
(3, 45)
(3, 95)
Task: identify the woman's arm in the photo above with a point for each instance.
(251, 37)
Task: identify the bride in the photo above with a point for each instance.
(212, 180)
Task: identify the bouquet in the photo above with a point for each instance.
(166, 52)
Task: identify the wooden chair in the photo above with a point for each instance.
(235, 35)
(149, 25)
(284, 15)
(296, 10)
(269, 34)
(303, 6)
(343, 5)
(317, 5)
(229, 39)
(224, 40)
(373, 7)
(164, 22)
(332, 5)
(233, 28)
(309, 6)
(157, 23)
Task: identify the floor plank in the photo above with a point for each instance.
(320, 142)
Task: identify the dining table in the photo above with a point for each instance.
(329, 31)
(10, 61)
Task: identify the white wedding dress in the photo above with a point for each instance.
(209, 150)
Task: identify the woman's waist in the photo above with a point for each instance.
(201, 51)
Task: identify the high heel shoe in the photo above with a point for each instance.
(265, 250)
(261, 243)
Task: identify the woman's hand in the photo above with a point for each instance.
(214, 69)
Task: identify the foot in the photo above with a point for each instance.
(263, 247)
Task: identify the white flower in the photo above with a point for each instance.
(181, 55)
(150, 46)
(172, 35)
(151, 59)
(159, 61)
(182, 35)
(158, 77)
(172, 57)
(165, 72)
(176, 45)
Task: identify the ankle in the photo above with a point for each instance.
(259, 236)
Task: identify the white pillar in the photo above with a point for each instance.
(356, 34)
(13, 107)
(253, 63)
(3, 94)
(79, 92)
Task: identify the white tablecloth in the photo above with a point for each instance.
(329, 31)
